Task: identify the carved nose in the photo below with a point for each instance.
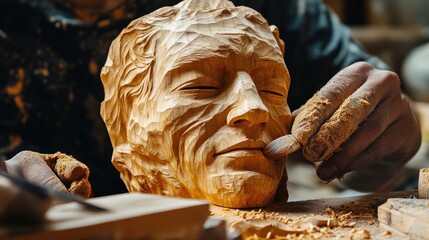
(248, 110)
(247, 118)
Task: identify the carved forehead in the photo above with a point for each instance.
(225, 31)
(237, 31)
(223, 19)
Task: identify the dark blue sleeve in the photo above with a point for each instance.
(318, 45)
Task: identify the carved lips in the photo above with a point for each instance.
(243, 146)
(244, 157)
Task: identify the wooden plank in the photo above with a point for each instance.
(130, 216)
(408, 216)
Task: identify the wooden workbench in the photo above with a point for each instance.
(133, 215)
(128, 216)
(355, 218)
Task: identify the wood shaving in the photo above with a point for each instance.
(387, 233)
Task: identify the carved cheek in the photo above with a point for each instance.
(188, 118)
(191, 135)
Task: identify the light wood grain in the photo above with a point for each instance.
(424, 183)
(130, 216)
(408, 216)
(193, 93)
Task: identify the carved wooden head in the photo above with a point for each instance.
(193, 93)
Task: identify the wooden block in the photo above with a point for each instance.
(424, 183)
(408, 216)
(130, 216)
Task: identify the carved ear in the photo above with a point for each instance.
(276, 35)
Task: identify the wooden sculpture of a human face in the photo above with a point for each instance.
(217, 95)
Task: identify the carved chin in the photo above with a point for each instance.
(241, 189)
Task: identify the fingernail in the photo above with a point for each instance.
(327, 171)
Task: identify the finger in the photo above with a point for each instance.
(352, 112)
(370, 143)
(296, 112)
(338, 128)
(67, 168)
(336, 167)
(81, 187)
(72, 173)
(324, 103)
(33, 167)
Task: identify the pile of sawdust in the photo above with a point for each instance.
(262, 224)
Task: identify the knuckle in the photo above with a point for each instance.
(362, 67)
(388, 77)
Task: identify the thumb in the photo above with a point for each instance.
(32, 166)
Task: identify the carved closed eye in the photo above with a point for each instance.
(273, 93)
(202, 87)
(270, 80)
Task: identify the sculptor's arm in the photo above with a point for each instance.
(388, 135)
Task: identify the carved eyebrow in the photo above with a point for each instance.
(198, 57)
(194, 68)
(276, 69)
(269, 61)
